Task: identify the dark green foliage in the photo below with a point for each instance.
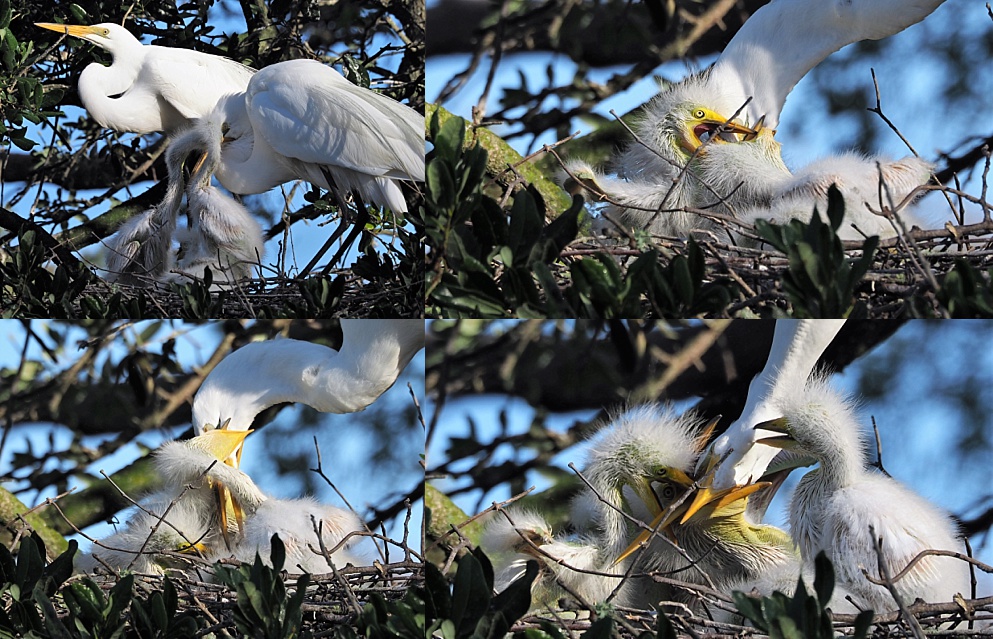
(27, 585)
(94, 615)
(821, 280)
(966, 291)
(263, 609)
(156, 618)
(803, 616)
(27, 289)
(469, 610)
(491, 262)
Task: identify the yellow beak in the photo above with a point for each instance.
(69, 29)
(714, 500)
(222, 444)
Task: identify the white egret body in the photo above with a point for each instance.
(835, 505)
(294, 120)
(262, 374)
(302, 120)
(785, 39)
(150, 88)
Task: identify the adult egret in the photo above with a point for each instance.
(149, 88)
(294, 120)
(843, 507)
(262, 374)
(302, 120)
(302, 524)
(732, 460)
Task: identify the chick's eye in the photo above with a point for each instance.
(699, 113)
(661, 472)
(668, 492)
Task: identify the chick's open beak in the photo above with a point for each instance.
(783, 440)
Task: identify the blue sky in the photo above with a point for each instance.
(910, 81)
(345, 445)
(917, 431)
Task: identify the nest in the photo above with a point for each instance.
(331, 599)
(273, 297)
(912, 265)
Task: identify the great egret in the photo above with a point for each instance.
(262, 374)
(843, 507)
(222, 234)
(302, 119)
(732, 460)
(765, 59)
(149, 88)
(296, 521)
(294, 120)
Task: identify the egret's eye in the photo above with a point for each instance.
(668, 492)
(105, 33)
(699, 114)
(661, 473)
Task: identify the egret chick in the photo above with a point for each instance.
(868, 185)
(835, 506)
(222, 233)
(516, 535)
(259, 516)
(149, 541)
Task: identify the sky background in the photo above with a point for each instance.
(346, 445)
(911, 81)
(919, 434)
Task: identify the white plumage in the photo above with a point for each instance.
(292, 120)
(835, 505)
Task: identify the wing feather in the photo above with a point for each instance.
(308, 111)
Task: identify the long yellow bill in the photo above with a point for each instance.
(223, 444)
(783, 440)
(76, 30)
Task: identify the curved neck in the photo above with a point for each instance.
(101, 86)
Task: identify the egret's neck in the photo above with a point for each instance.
(796, 347)
(99, 86)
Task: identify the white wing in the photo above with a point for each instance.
(785, 39)
(191, 82)
(308, 111)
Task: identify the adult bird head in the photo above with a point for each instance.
(108, 36)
